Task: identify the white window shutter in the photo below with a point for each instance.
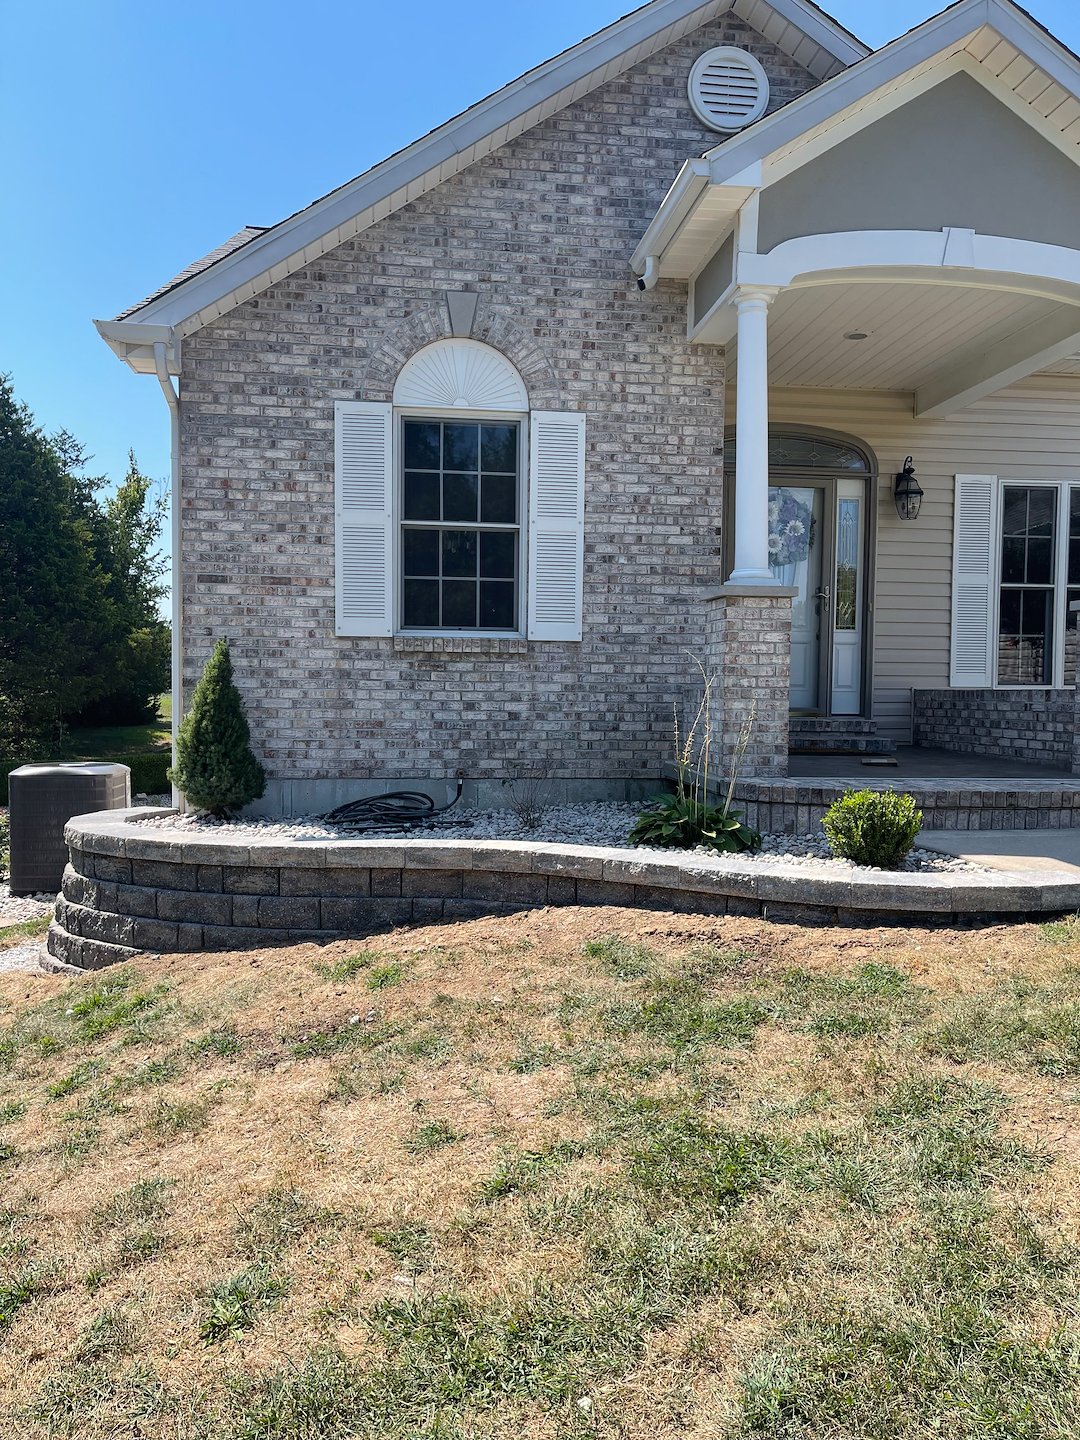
(364, 517)
(556, 524)
(974, 585)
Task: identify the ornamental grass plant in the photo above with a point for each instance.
(688, 820)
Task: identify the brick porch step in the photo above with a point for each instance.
(836, 735)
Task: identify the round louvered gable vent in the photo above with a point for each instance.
(728, 89)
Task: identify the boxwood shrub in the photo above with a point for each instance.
(873, 827)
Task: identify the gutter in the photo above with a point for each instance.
(172, 398)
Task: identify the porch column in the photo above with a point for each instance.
(752, 438)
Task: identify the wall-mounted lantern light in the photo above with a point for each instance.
(908, 493)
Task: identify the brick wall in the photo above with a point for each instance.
(1038, 726)
(542, 230)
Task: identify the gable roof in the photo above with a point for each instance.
(1000, 43)
(256, 258)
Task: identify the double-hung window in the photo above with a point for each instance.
(459, 509)
(1039, 578)
(460, 529)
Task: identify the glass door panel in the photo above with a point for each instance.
(795, 559)
(847, 649)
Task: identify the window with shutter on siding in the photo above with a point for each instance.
(363, 485)
(974, 581)
(556, 524)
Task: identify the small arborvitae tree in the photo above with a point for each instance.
(215, 769)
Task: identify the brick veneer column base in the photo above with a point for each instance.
(748, 642)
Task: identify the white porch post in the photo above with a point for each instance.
(752, 438)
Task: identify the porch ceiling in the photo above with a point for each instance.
(917, 334)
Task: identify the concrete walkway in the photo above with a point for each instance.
(1015, 850)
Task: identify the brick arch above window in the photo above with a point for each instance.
(491, 325)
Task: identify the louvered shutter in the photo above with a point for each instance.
(974, 591)
(364, 516)
(556, 524)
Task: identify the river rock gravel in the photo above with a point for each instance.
(595, 823)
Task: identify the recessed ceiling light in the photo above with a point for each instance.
(857, 335)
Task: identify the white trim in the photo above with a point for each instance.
(302, 238)
(463, 372)
(1002, 261)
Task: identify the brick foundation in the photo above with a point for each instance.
(1036, 726)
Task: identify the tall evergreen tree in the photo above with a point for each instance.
(215, 770)
(80, 586)
(52, 587)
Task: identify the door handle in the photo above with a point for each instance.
(825, 593)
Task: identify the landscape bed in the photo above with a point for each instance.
(134, 886)
(573, 1175)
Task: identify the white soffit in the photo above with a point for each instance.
(913, 332)
(806, 33)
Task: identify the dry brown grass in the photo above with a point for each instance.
(508, 1126)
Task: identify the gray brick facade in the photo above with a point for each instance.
(1036, 726)
(542, 230)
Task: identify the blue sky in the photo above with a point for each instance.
(141, 135)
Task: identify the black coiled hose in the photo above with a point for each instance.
(399, 810)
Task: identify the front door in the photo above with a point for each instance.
(817, 546)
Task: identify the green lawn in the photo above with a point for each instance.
(587, 1176)
(104, 741)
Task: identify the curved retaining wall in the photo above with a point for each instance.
(130, 888)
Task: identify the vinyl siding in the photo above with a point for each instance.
(1030, 431)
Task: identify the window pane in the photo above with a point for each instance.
(498, 552)
(1013, 558)
(459, 554)
(1028, 530)
(459, 497)
(421, 444)
(496, 605)
(459, 604)
(1074, 535)
(499, 505)
(1072, 653)
(1013, 511)
(1041, 503)
(498, 448)
(1040, 562)
(421, 497)
(420, 549)
(420, 606)
(1025, 646)
(461, 447)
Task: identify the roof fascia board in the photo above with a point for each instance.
(133, 342)
(835, 95)
(1029, 37)
(282, 242)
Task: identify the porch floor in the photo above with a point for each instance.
(914, 762)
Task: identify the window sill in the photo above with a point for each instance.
(461, 644)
